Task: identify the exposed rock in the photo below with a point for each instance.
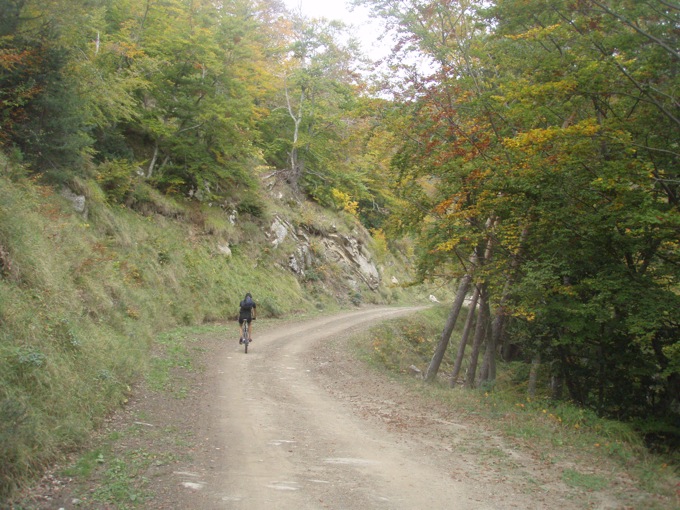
(395, 281)
(78, 201)
(304, 253)
(350, 252)
(343, 250)
(281, 229)
(295, 265)
(433, 299)
(233, 217)
(224, 249)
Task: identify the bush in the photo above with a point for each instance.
(117, 179)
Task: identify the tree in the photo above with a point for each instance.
(604, 220)
(559, 123)
(315, 106)
(42, 112)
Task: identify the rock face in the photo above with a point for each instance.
(344, 250)
(349, 252)
(281, 229)
(78, 201)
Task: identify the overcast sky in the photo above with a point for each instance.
(338, 9)
(332, 9)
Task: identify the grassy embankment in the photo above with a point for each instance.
(82, 298)
(556, 431)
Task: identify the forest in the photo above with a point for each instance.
(529, 148)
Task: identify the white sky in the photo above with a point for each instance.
(366, 32)
(332, 9)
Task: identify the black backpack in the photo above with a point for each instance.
(247, 304)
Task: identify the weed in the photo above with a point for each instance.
(28, 359)
(121, 485)
(86, 464)
(585, 481)
(522, 431)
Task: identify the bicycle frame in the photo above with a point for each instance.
(246, 335)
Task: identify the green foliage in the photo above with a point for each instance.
(252, 205)
(117, 179)
(159, 94)
(160, 114)
(16, 436)
(187, 98)
(548, 148)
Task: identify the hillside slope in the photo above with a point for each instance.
(85, 286)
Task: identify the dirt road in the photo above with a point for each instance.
(300, 423)
(296, 424)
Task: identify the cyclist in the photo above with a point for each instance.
(246, 313)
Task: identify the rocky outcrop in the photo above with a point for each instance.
(78, 201)
(350, 252)
(344, 250)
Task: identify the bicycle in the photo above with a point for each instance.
(246, 335)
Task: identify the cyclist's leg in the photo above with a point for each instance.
(240, 326)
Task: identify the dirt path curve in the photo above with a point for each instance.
(295, 424)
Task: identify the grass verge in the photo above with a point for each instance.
(591, 451)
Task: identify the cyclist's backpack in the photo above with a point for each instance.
(247, 304)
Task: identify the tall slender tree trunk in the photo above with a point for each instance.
(439, 352)
(488, 371)
(602, 375)
(149, 172)
(500, 319)
(556, 387)
(573, 384)
(293, 156)
(438, 356)
(464, 339)
(533, 374)
(480, 331)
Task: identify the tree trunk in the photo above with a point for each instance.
(149, 172)
(498, 326)
(573, 385)
(556, 387)
(480, 331)
(500, 319)
(533, 375)
(438, 356)
(488, 372)
(464, 338)
(602, 375)
(293, 157)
